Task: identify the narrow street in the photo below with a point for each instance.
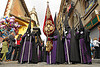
(43, 64)
(50, 33)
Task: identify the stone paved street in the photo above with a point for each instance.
(43, 64)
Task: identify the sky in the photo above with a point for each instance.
(2, 7)
(40, 6)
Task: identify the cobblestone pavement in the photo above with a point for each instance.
(43, 64)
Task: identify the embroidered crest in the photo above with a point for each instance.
(49, 27)
(49, 46)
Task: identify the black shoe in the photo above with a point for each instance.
(73, 63)
(90, 63)
(35, 62)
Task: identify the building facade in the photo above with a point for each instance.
(19, 10)
(89, 10)
(34, 16)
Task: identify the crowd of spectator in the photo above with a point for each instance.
(8, 42)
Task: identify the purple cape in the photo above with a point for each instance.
(53, 53)
(85, 57)
(33, 52)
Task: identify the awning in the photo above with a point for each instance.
(94, 21)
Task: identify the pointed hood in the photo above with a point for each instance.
(81, 24)
(73, 26)
(29, 27)
(67, 27)
(73, 31)
(55, 21)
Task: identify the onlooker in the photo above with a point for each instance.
(4, 48)
(17, 47)
(1, 39)
(11, 45)
(6, 32)
(1, 34)
(96, 45)
(92, 49)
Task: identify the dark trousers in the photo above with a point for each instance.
(44, 55)
(0, 53)
(9, 54)
(16, 52)
(41, 59)
(97, 52)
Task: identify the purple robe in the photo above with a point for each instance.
(74, 49)
(85, 46)
(40, 55)
(26, 52)
(53, 52)
(68, 44)
(85, 56)
(44, 54)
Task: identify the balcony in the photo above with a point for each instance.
(90, 8)
(94, 21)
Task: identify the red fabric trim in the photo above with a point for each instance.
(46, 20)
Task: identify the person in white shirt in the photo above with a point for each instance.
(97, 48)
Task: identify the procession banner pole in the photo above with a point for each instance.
(48, 28)
(50, 56)
(30, 40)
(80, 51)
(38, 46)
(66, 42)
(23, 51)
(38, 50)
(67, 48)
(49, 52)
(29, 50)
